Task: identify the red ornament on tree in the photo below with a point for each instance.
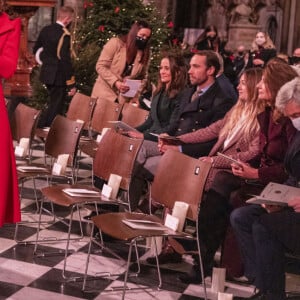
(117, 9)
(87, 4)
(101, 28)
(170, 25)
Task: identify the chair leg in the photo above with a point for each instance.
(201, 263)
(157, 265)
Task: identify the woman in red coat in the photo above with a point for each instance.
(9, 194)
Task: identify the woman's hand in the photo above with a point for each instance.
(121, 87)
(135, 134)
(244, 170)
(207, 159)
(295, 203)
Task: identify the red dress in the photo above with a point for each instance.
(9, 193)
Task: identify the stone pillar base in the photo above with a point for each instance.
(241, 34)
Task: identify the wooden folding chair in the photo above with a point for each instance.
(63, 138)
(23, 124)
(116, 154)
(133, 115)
(81, 108)
(104, 112)
(178, 178)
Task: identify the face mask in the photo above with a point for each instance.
(295, 60)
(211, 38)
(140, 42)
(260, 41)
(296, 123)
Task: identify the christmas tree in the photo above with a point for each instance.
(107, 18)
(102, 20)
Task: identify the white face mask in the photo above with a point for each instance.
(296, 123)
(260, 41)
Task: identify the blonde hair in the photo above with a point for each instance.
(65, 12)
(268, 44)
(249, 108)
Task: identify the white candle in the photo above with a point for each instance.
(114, 182)
(179, 211)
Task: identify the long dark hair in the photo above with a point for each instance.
(178, 69)
(203, 36)
(131, 48)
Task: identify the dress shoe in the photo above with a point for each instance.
(165, 258)
(243, 279)
(194, 276)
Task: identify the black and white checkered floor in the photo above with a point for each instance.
(26, 276)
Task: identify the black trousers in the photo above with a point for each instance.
(55, 105)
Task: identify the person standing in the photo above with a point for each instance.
(9, 48)
(262, 50)
(125, 56)
(56, 70)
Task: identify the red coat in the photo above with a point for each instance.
(9, 193)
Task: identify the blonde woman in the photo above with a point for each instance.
(262, 50)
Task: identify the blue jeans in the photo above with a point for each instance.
(263, 253)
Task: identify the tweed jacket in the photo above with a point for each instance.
(161, 116)
(54, 70)
(237, 148)
(110, 67)
(202, 112)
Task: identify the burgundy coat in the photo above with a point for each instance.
(275, 137)
(9, 194)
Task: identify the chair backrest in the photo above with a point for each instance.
(180, 178)
(24, 122)
(104, 111)
(81, 108)
(133, 115)
(116, 154)
(63, 138)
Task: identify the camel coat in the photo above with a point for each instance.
(110, 66)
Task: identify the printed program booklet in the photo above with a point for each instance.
(275, 194)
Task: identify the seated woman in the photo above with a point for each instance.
(164, 110)
(262, 50)
(237, 134)
(164, 105)
(276, 132)
(266, 233)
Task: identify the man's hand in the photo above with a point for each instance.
(295, 204)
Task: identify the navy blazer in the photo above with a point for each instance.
(54, 71)
(208, 108)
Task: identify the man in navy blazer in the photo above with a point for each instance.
(54, 42)
(200, 105)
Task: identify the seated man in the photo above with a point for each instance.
(200, 106)
(266, 233)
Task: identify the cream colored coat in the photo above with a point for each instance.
(110, 66)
